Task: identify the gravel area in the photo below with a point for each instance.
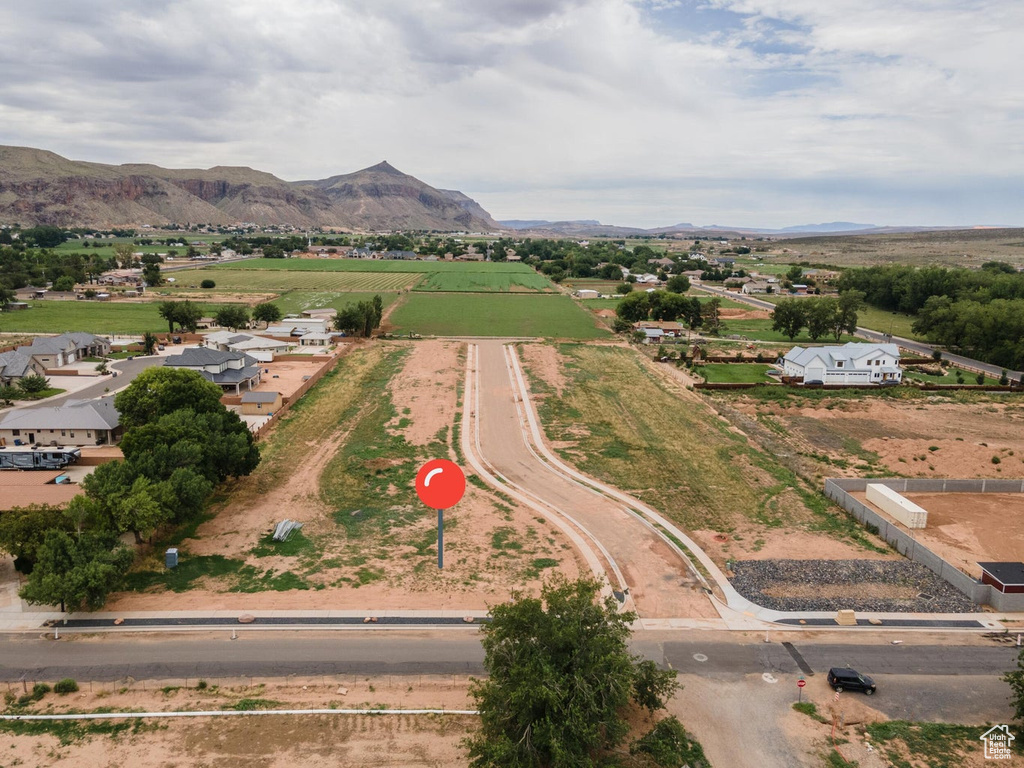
(931, 593)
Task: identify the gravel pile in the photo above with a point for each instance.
(932, 594)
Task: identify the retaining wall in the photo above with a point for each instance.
(839, 490)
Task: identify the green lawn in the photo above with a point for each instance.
(99, 317)
(467, 314)
(876, 319)
(735, 372)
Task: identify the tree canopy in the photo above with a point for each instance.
(76, 571)
(159, 391)
(561, 679)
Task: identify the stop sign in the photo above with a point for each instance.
(440, 484)
(801, 683)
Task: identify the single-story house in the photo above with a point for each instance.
(755, 286)
(316, 339)
(261, 403)
(58, 351)
(655, 332)
(324, 312)
(76, 422)
(17, 364)
(852, 363)
(14, 306)
(260, 348)
(233, 372)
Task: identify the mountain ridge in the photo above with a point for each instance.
(41, 187)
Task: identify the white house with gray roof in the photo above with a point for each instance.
(852, 363)
(258, 347)
(75, 422)
(233, 372)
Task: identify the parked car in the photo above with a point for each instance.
(846, 679)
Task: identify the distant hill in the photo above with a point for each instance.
(40, 187)
(832, 226)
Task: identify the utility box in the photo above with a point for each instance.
(171, 558)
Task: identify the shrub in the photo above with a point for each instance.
(1004, 379)
(980, 378)
(65, 686)
(207, 284)
(996, 460)
(39, 690)
(201, 685)
(33, 383)
(937, 355)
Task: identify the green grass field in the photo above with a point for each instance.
(300, 280)
(375, 265)
(487, 282)
(761, 330)
(876, 319)
(467, 314)
(99, 317)
(735, 372)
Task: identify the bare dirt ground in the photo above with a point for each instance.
(919, 437)
(286, 376)
(967, 528)
(735, 313)
(492, 545)
(218, 297)
(753, 542)
(273, 741)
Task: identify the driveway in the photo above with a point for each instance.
(127, 370)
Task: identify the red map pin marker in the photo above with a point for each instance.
(440, 484)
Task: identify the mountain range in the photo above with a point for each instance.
(41, 187)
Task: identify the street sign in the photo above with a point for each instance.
(440, 484)
(801, 683)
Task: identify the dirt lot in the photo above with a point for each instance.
(967, 528)
(311, 463)
(290, 373)
(916, 437)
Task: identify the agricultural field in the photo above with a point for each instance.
(364, 430)
(629, 423)
(487, 282)
(99, 317)
(298, 280)
(468, 314)
(377, 265)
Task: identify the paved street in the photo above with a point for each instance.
(127, 370)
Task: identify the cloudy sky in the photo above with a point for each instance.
(635, 112)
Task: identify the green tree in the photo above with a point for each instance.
(634, 307)
(560, 679)
(169, 311)
(846, 315)
(1015, 680)
(124, 253)
(185, 314)
(789, 317)
(22, 530)
(668, 306)
(266, 312)
(6, 296)
(794, 273)
(64, 283)
(207, 284)
(33, 384)
(711, 318)
(233, 316)
(820, 316)
(151, 274)
(159, 391)
(678, 284)
(149, 342)
(76, 571)
(624, 288)
(138, 512)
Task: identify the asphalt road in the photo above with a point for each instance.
(126, 371)
(870, 335)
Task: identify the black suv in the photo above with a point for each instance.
(849, 680)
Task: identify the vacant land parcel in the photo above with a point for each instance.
(617, 418)
(342, 462)
(467, 314)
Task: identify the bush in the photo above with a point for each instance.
(996, 460)
(668, 743)
(937, 355)
(1004, 378)
(33, 384)
(207, 284)
(980, 378)
(39, 690)
(65, 686)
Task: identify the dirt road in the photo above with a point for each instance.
(659, 582)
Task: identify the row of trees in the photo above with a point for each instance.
(825, 316)
(992, 331)
(187, 314)
(179, 443)
(664, 306)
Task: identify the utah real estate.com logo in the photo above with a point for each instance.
(997, 740)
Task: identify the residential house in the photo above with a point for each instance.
(299, 326)
(57, 351)
(17, 364)
(755, 286)
(852, 363)
(656, 332)
(327, 313)
(261, 403)
(234, 372)
(316, 339)
(76, 422)
(663, 263)
(257, 347)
